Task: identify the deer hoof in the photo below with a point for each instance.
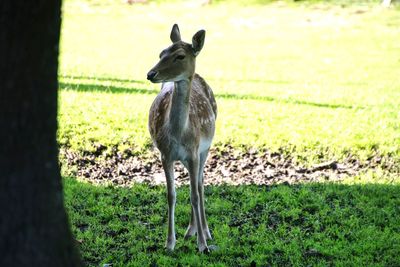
(213, 248)
(204, 249)
(209, 249)
(170, 245)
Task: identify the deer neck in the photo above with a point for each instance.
(179, 113)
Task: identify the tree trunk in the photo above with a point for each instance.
(34, 229)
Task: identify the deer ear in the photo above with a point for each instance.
(198, 41)
(175, 34)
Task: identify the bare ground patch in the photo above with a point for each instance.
(224, 166)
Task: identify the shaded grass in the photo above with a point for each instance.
(105, 88)
(107, 79)
(302, 225)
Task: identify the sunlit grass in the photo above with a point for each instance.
(305, 78)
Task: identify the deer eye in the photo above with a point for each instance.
(162, 53)
(180, 57)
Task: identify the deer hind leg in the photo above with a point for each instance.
(194, 166)
(168, 166)
(192, 228)
(206, 231)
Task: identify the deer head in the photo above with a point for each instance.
(178, 61)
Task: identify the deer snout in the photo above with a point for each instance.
(151, 75)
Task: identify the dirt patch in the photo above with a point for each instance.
(226, 166)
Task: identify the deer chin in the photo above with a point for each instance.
(175, 79)
(157, 81)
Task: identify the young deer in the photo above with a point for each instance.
(182, 126)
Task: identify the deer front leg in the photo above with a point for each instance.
(193, 165)
(171, 196)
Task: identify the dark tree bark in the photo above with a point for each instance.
(34, 229)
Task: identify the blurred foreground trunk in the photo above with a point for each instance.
(34, 229)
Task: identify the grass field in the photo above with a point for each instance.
(304, 78)
(318, 81)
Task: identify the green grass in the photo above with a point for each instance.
(299, 77)
(303, 225)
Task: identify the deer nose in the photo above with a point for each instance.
(151, 75)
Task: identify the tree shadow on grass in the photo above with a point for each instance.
(74, 77)
(84, 87)
(286, 101)
(279, 225)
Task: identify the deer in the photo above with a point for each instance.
(182, 126)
